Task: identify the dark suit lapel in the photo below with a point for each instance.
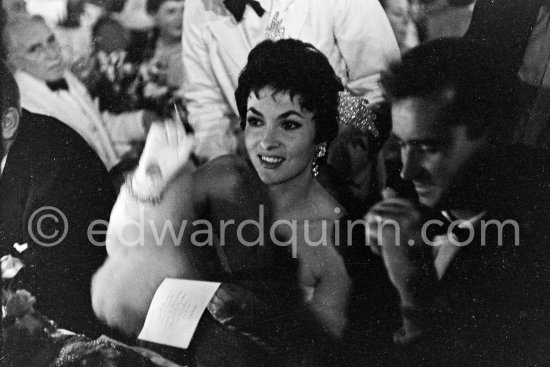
(14, 187)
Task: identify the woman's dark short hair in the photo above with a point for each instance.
(299, 69)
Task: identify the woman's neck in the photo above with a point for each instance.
(290, 194)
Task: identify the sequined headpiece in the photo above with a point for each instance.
(355, 112)
(275, 31)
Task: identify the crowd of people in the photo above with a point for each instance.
(365, 193)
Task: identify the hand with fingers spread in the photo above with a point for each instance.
(167, 151)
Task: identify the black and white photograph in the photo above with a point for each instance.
(275, 183)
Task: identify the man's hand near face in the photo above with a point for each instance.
(395, 233)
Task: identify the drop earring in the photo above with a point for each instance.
(321, 152)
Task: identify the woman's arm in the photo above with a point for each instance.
(146, 238)
(331, 295)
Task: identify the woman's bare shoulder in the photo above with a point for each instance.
(324, 205)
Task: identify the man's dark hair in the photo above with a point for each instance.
(478, 94)
(299, 69)
(152, 6)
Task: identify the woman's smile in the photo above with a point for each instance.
(271, 162)
(279, 136)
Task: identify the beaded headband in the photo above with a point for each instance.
(355, 112)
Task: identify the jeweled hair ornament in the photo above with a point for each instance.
(355, 111)
(275, 31)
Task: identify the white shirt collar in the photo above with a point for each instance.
(463, 223)
(445, 250)
(3, 164)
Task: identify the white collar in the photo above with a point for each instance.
(473, 221)
(446, 251)
(3, 164)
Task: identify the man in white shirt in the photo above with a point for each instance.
(355, 35)
(48, 87)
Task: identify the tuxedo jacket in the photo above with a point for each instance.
(495, 293)
(51, 190)
(110, 135)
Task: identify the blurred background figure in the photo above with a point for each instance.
(402, 23)
(133, 15)
(109, 75)
(14, 7)
(523, 50)
(442, 18)
(165, 43)
(51, 10)
(48, 87)
(73, 31)
(124, 81)
(72, 22)
(109, 35)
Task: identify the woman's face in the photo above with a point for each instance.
(169, 18)
(279, 136)
(398, 15)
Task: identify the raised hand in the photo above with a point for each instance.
(395, 232)
(167, 151)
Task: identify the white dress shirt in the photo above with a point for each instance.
(445, 250)
(355, 35)
(3, 164)
(109, 135)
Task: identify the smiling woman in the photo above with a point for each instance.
(288, 99)
(279, 136)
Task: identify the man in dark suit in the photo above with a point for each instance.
(477, 292)
(53, 187)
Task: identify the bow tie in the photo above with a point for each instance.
(462, 234)
(237, 7)
(56, 85)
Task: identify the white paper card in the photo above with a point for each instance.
(175, 311)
